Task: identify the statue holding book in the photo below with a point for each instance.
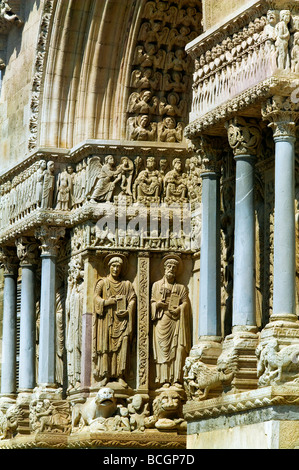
(170, 310)
(114, 306)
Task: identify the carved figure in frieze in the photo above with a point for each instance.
(143, 103)
(102, 179)
(154, 32)
(282, 41)
(175, 82)
(148, 56)
(40, 181)
(175, 184)
(48, 186)
(170, 310)
(193, 178)
(64, 189)
(141, 128)
(277, 364)
(148, 184)
(295, 54)
(49, 417)
(170, 131)
(138, 411)
(270, 29)
(173, 106)
(9, 421)
(114, 307)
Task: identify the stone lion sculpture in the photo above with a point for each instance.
(103, 405)
(167, 412)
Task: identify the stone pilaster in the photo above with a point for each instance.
(49, 237)
(143, 322)
(9, 262)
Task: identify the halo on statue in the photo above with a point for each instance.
(117, 256)
(175, 257)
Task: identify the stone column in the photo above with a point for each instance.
(49, 237)
(8, 372)
(27, 254)
(282, 115)
(244, 138)
(209, 296)
(238, 353)
(282, 332)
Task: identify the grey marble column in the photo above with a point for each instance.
(209, 295)
(49, 237)
(27, 254)
(9, 336)
(244, 138)
(282, 114)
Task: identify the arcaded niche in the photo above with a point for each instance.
(148, 224)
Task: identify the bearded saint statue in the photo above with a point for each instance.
(170, 310)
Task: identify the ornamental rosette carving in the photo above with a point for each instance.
(244, 136)
(282, 112)
(49, 237)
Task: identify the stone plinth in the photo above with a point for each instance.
(260, 419)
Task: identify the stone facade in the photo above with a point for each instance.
(149, 292)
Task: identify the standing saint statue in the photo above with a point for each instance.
(114, 306)
(170, 310)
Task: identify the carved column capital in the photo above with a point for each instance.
(49, 237)
(27, 251)
(209, 150)
(283, 115)
(8, 261)
(244, 136)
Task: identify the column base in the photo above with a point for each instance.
(238, 358)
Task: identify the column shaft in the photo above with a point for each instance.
(46, 370)
(244, 251)
(8, 372)
(284, 292)
(27, 329)
(209, 302)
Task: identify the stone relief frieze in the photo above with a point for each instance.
(161, 72)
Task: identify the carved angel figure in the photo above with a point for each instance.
(102, 179)
(142, 128)
(169, 131)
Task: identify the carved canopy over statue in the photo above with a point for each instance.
(171, 326)
(114, 306)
